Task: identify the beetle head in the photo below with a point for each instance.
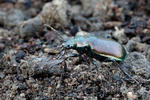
(68, 44)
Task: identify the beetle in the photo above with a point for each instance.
(100, 46)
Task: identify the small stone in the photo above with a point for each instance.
(146, 31)
(120, 35)
(20, 55)
(131, 96)
(35, 85)
(115, 98)
(1, 75)
(82, 33)
(58, 16)
(14, 17)
(130, 32)
(97, 8)
(42, 98)
(2, 17)
(138, 64)
(51, 51)
(22, 95)
(135, 45)
(141, 47)
(131, 45)
(14, 87)
(112, 24)
(2, 46)
(147, 53)
(22, 86)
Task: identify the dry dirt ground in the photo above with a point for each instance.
(32, 67)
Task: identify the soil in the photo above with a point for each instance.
(33, 67)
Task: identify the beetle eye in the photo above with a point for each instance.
(67, 46)
(70, 46)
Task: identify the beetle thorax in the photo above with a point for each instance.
(78, 41)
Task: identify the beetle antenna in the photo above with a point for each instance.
(58, 33)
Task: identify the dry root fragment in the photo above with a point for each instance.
(34, 66)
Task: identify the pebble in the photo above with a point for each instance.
(141, 47)
(2, 46)
(131, 96)
(22, 95)
(120, 36)
(1, 75)
(14, 87)
(50, 51)
(22, 86)
(14, 17)
(20, 55)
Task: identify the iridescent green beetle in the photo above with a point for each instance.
(100, 46)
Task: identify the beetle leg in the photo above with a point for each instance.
(102, 85)
(62, 53)
(93, 62)
(127, 74)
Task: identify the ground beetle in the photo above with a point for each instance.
(100, 46)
